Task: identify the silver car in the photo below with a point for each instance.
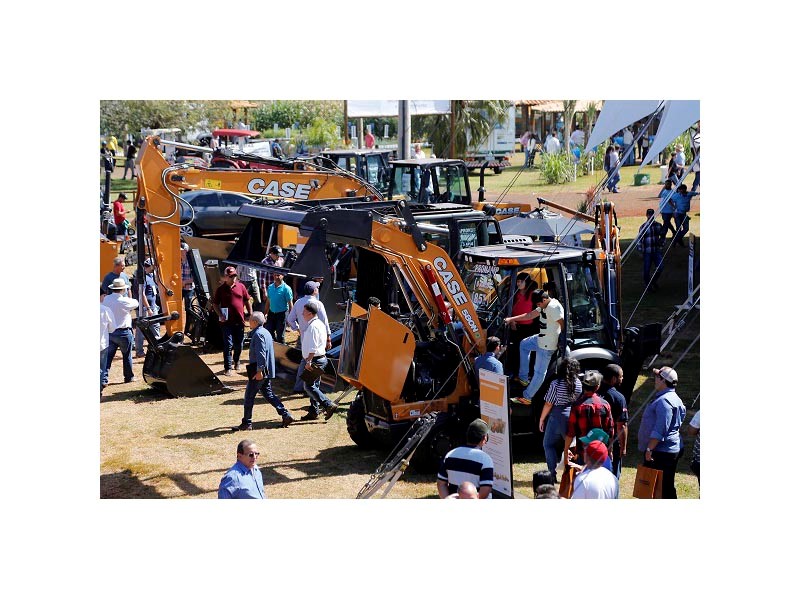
(215, 213)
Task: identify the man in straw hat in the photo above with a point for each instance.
(121, 336)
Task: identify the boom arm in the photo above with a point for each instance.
(160, 184)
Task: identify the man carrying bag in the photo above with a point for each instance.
(659, 433)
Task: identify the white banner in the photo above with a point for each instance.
(494, 410)
(390, 108)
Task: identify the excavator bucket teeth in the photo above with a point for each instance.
(181, 372)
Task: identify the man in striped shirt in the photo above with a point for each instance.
(468, 463)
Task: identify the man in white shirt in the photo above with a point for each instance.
(297, 322)
(550, 313)
(552, 145)
(577, 137)
(419, 153)
(313, 345)
(595, 482)
(121, 336)
(106, 327)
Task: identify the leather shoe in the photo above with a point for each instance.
(310, 416)
(330, 410)
(134, 378)
(245, 427)
(287, 420)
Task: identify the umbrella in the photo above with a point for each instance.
(544, 223)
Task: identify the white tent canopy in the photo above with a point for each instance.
(677, 117)
(391, 108)
(618, 114)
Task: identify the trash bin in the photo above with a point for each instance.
(664, 171)
(641, 179)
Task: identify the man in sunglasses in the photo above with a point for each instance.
(243, 480)
(659, 432)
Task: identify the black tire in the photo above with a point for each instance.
(498, 170)
(357, 426)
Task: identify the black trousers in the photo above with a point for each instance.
(276, 325)
(667, 462)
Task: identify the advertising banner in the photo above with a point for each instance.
(494, 410)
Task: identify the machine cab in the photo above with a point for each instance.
(569, 274)
(430, 181)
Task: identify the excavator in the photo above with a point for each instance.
(169, 364)
(417, 360)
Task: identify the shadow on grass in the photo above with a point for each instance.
(125, 484)
(330, 462)
(139, 395)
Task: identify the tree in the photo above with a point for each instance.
(474, 120)
(286, 113)
(131, 116)
(569, 113)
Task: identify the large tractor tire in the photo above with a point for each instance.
(356, 426)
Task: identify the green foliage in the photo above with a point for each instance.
(321, 133)
(302, 112)
(556, 168)
(118, 117)
(477, 117)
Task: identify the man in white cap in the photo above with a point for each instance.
(120, 305)
(659, 432)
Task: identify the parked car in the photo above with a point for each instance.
(215, 213)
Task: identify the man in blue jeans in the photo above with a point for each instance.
(551, 323)
(314, 343)
(232, 305)
(121, 336)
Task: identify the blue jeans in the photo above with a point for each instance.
(616, 460)
(139, 336)
(681, 225)
(317, 397)
(187, 299)
(543, 356)
(554, 432)
(696, 182)
(232, 339)
(122, 339)
(298, 383)
(666, 218)
(265, 387)
(613, 180)
(649, 260)
(103, 370)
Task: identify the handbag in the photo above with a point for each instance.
(648, 483)
(567, 484)
(311, 375)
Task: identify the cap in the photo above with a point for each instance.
(310, 287)
(597, 451)
(148, 262)
(595, 434)
(668, 374)
(591, 379)
(230, 271)
(118, 284)
(476, 431)
(276, 250)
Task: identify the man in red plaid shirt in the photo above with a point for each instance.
(588, 412)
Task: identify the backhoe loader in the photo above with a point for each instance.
(169, 364)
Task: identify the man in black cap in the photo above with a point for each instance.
(468, 463)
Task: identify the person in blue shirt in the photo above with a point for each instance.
(666, 206)
(279, 303)
(659, 432)
(682, 198)
(488, 360)
(243, 480)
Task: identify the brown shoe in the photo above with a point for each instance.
(245, 427)
(287, 420)
(311, 415)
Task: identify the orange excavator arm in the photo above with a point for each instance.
(160, 184)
